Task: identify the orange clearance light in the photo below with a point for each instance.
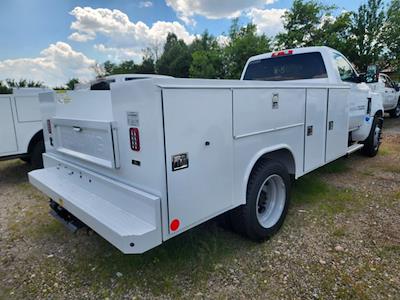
(174, 225)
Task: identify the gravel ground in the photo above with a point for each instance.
(340, 240)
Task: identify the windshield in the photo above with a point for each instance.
(289, 67)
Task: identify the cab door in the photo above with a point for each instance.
(389, 92)
(358, 100)
(8, 139)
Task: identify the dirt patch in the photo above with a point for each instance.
(340, 241)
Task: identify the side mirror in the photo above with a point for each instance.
(397, 87)
(372, 74)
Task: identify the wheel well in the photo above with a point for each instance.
(35, 139)
(284, 156)
(379, 113)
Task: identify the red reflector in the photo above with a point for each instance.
(135, 140)
(175, 225)
(49, 126)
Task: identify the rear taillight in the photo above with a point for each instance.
(49, 126)
(135, 139)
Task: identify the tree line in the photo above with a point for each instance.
(369, 35)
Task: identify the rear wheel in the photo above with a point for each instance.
(374, 140)
(395, 113)
(36, 155)
(267, 201)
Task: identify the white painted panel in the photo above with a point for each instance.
(254, 112)
(337, 132)
(315, 129)
(8, 143)
(193, 117)
(28, 109)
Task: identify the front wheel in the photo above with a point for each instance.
(267, 201)
(395, 113)
(374, 140)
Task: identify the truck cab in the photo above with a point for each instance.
(21, 131)
(390, 94)
(319, 65)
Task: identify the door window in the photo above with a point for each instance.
(389, 83)
(346, 71)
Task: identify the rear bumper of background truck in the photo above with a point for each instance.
(128, 218)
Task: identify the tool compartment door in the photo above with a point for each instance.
(315, 129)
(8, 143)
(90, 141)
(337, 133)
(198, 123)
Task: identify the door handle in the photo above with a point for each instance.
(77, 129)
(330, 125)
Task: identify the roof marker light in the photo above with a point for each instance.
(282, 53)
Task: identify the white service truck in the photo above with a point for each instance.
(21, 133)
(142, 161)
(390, 92)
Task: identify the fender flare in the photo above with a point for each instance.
(264, 152)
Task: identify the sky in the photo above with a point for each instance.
(55, 40)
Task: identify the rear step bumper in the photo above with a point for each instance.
(128, 218)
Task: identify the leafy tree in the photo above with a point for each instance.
(71, 83)
(176, 58)
(302, 24)
(335, 32)
(206, 64)
(367, 33)
(206, 57)
(23, 83)
(4, 89)
(391, 36)
(244, 42)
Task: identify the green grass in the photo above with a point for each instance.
(338, 166)
(194, 254)
(339, 232)
(312, 192)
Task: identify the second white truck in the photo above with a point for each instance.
(143, 161)
(21, 134)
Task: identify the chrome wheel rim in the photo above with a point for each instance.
(271, 200)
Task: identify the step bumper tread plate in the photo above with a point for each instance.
(116, 221)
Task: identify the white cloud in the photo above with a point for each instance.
(54, 66)
(122, 34)
(119, 54)
(145, 4)
(211, 9)
(81, 37)
(268, 21)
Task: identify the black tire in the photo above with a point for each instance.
(26, 159)
(36, 155)
(244, 218)
(395, 113)
(373, 142)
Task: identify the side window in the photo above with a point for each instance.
(383, 80)
(346, 71)
(389, 82)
